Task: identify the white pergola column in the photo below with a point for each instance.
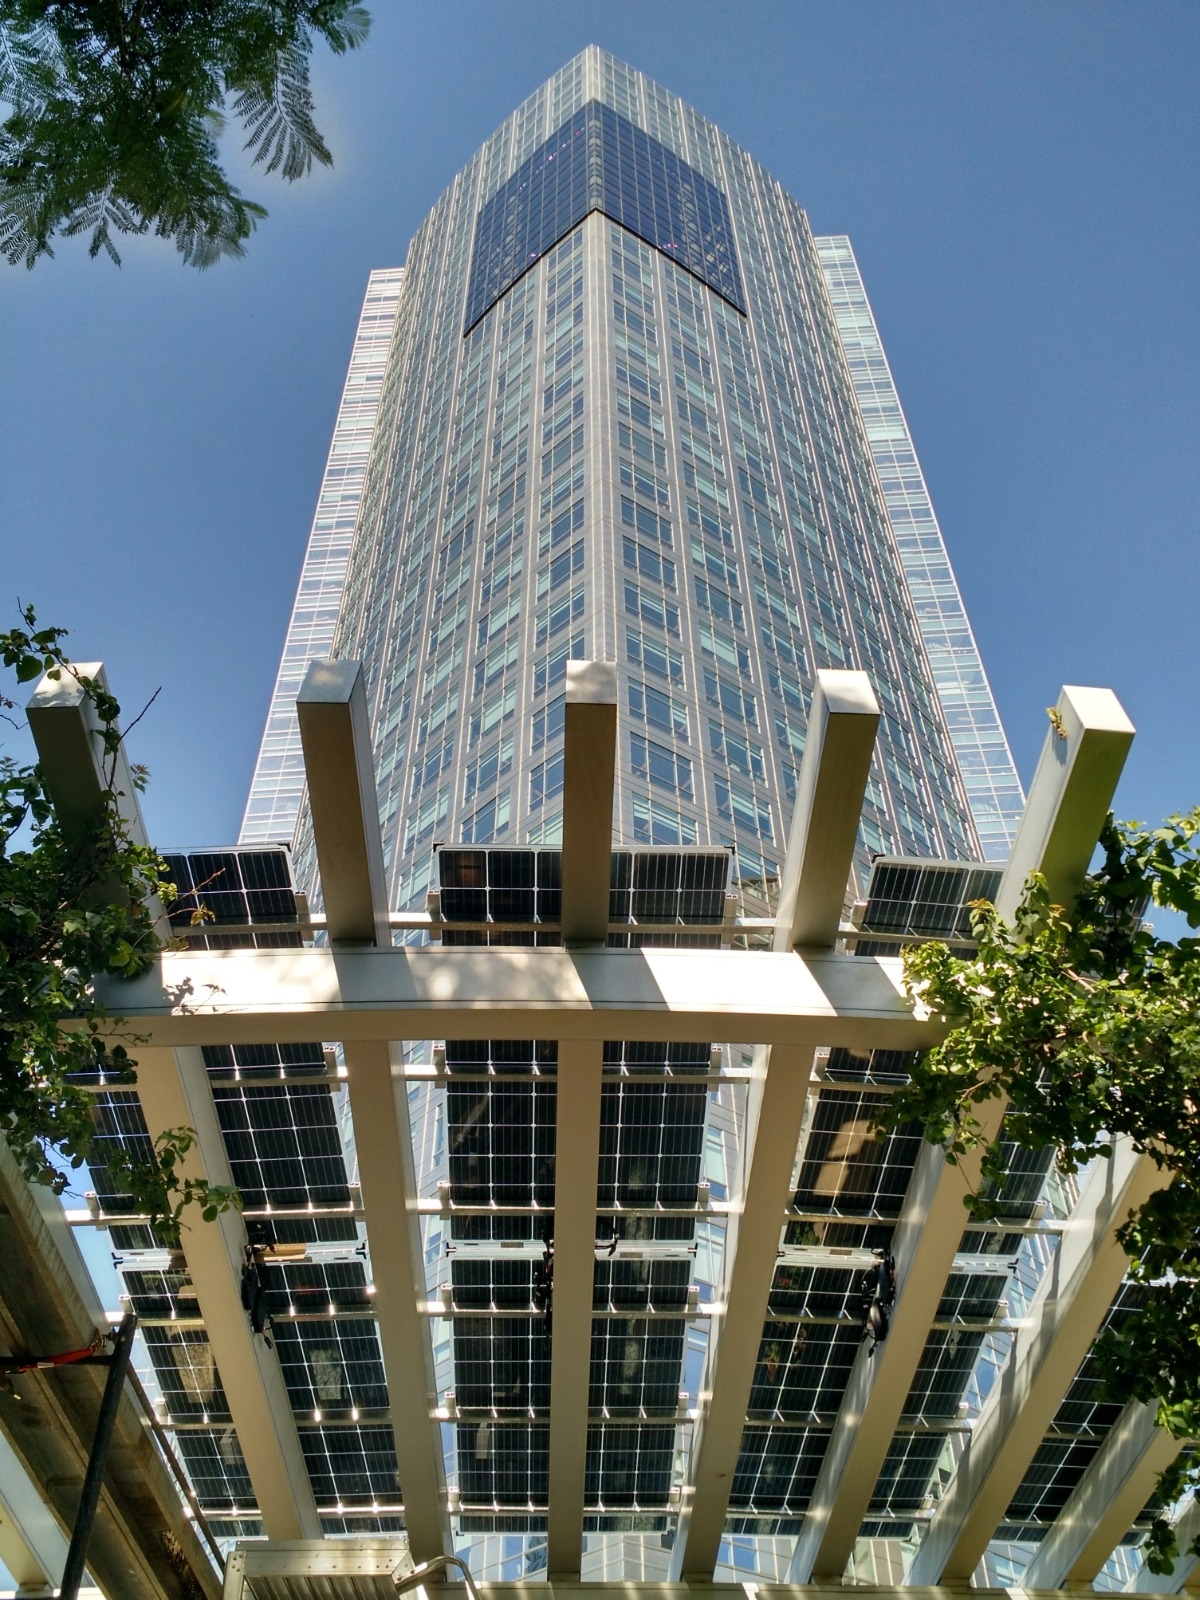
(589, 769)
(1068, 802)
(1066, 1313)
(833, 777)
(174, 1090)
(1104, 1503)
(335, 735)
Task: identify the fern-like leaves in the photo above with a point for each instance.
(279, 118)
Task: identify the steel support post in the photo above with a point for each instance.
(93, 1481)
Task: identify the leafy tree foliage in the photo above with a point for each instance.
(1089, 1024)
(115, 108)
(70, 908)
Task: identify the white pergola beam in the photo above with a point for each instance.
(1105, 1502)
(832, 783)
(576, 1168)
(1068, 801)
(383, 1143)
(1070, 796)
(1184, 1573)
(842, 725)
(335, 734)
(32, 1545)
(174, 1090)
(293, 996)
(775, 1113)
(1063, 1320)
(336, 738)
(589, 769)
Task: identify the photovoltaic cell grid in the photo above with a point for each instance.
(600, 161)
(500, 1132)
(1079, 1428)
(284, 1142)
(494, 886)
(236, 889)
(859, 1182)
(913, 898)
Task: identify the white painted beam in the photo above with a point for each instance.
(1186, 1571)
(589, 768)
(336, 739)
(292, 996)
(1070, 796)
(832, 783)
(174, 1090)
(335, 734)
(1105, 1502)
(32, 1545)
(842, 724)
(1071, 792)
(576, 1168)
(1063, 1320)
(379, 1109)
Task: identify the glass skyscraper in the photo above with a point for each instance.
(623, 406)
(634, 411)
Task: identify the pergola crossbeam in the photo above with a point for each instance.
(292, 996)
(1071, 792)
(335, 736)
(832, 783)
(1105, 1502)
(174, 1090)
(1066, 1313)
(589, 768)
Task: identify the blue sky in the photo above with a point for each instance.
(1020, 183)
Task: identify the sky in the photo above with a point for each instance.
(1019, 182)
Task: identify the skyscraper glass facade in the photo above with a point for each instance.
(645, 452)
(993, 788)
(278, 781)
(621, 418)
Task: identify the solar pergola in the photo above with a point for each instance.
(546, 1017)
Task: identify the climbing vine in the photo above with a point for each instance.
(74, 905)
(1088, 1023)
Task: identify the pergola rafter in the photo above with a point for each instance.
(1068, 801)
(174, 1091)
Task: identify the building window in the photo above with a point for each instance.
(739, 752)
(548, 722)
(645, 521)
(649, 563)
(545, 781)
(552, 668)
(487, 768)
(661, 659)
(658, 709)
(662, 766)
(650, 607)
(730, 697)
(743, 808)
(656, 823)
(489, 821)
